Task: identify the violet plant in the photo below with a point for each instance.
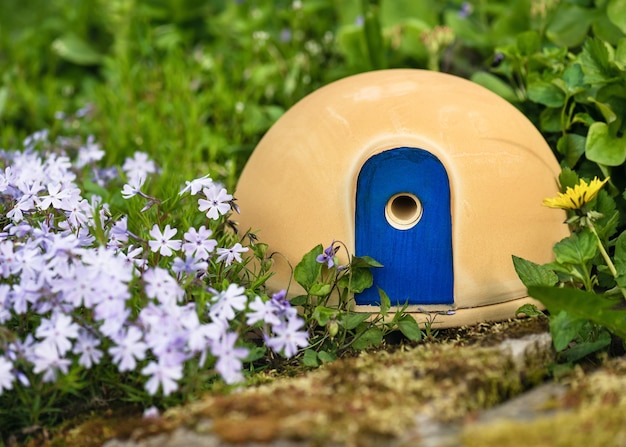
(144, 299)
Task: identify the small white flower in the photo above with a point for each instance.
(216, 203)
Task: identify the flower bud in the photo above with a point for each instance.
(333, 328)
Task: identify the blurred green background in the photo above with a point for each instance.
(196, 83)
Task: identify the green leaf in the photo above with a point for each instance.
(324, 314)
(604, 148)
(530, 310)
(616, 12)
(574, 79)
(576, 249)
(496, 85)
(385, 302)
(409, 327)
(572, 146)
(546, 93)
(532, 274)
(299, 300)
(326, 357)
(74, 49)
(620, 259)
(583, 349)
(564, 328)
(568, 178)
(528, 43)
(620, 53)
(364, 261)
(374, 38)
(308, 270)
(595, 61)
(350, 320)
(372, 336)
(320, 289)
(361, 280)
(605, 109)
(255, 353)
(4, 95)
(310, 358)
(569, 25)
(583, 305)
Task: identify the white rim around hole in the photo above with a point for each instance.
(403, 210)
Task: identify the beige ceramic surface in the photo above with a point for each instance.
(298, 188)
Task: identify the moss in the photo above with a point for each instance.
(593, 413)
(365, 399)
(358, 400)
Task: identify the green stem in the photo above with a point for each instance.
(606, 256)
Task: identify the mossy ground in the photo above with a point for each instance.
(592, 413)
(358, 401)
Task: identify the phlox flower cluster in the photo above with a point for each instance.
(124, 301)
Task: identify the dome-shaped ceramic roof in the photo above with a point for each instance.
(299, 187)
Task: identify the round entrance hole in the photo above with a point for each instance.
(403, 211)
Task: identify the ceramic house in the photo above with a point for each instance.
(436, 177)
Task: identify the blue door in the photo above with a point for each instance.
(403, 221)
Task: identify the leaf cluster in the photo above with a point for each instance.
(327, 307)
(583, 288)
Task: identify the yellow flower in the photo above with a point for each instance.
(575, 198)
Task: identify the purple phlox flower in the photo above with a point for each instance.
(190, 265)
(89, 153)
(5, 303)
(77, 289)
(55, 197)
(78, 213)
(22, 349)
(282, 306)
(36, 137)
(28, 291)
(328, 257)
(108, 265)
(10, 260)
(261, 311)
(6, 179)
(285, 35)
(48, 360)
(164, 375)
(466, 10)
(199, 242)
(58, 170)
(216, 203)
(114, 323)
(162, 241)
(229, 357)
(359, 20)
(118, 233)
(197, 185)
(151, 413)
(288, 338)
(225, 303)
(129, 349)
(228, 255)
(200, 337)
(6, 374)
(138, 166)
(161, 285)
(87, 347)
(133, 187)
(102, 176)
(60, 248)
(131, 259)
(58, 331)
